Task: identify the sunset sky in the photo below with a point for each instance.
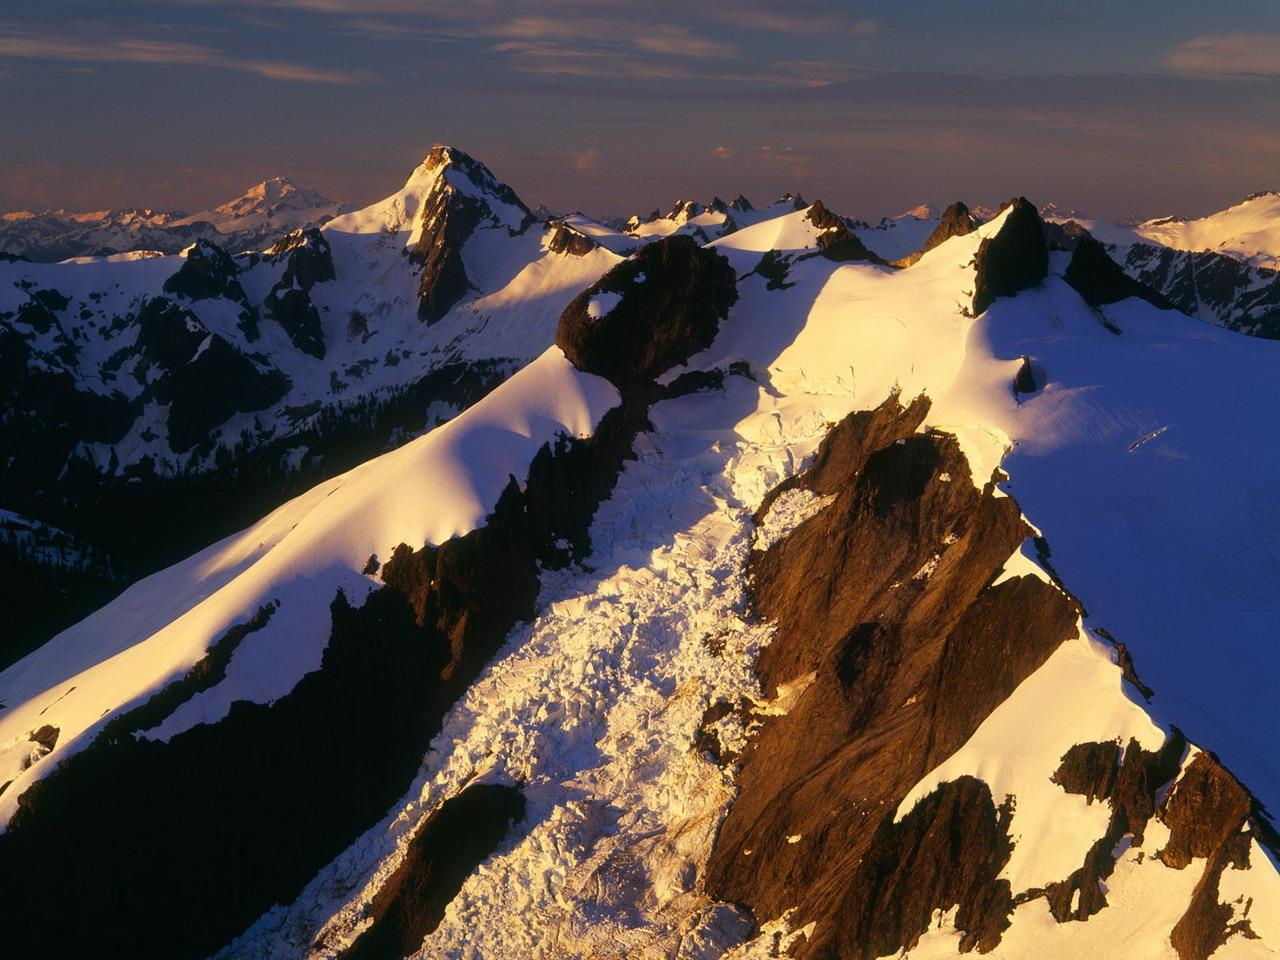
(1133, 109)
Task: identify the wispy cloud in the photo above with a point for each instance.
(795, 19)
(32, 46)
(1228, 53)
(722, 152)
(679, 41)
(586, 160)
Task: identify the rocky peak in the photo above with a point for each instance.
(449, 159)
(837, 241)
(207, 271)
(794, 200)
(957, 221)
(648, 313)
(741, 203)
(1100, 280)
(1015, 259)
(568, 240)
(463, 197)
(684, 210)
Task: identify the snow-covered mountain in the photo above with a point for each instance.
(1223, 268)
(259, 217)
(792, 597)
(135, 386)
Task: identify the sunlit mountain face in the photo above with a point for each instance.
(800, 484)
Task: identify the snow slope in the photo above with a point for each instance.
(593, 707)
(1248, 231)
(298, 556)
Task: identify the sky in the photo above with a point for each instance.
(1118, 110)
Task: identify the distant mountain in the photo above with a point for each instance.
(1223, 268)
(258, 218)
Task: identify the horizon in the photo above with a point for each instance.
(935, 204)
(607, 109)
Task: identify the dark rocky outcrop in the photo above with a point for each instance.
(308, 259)
(673, 296)
(1100, 280)
(837, 241)
(294, 311)
(449, 217)
(1213, 286)
(1025, 380)
(957, 221)
(207, 272)
(774, 267)
(884, 599)
(204, 379)
(390, 670)
(1210, 816)
(445, 850)
(1015, 259)
(565, 239)
(1129, 784)
(1089, 769)
(948, 851)
(1064, 236)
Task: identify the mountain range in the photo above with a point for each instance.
(264, 213)
(443, 579)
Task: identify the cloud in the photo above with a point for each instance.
(679, 41)
(722, 152)
(796, 19)
(32, 46)
(587, 159)
(1228, 53)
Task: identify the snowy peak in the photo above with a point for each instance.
(921, 211)
(1248, 231)
(256, 218)
(264, 212)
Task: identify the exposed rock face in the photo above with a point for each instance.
(295, 312)
(884, 606)
(1129, 784)
(207, 272)
(1210, 815)
(957, 221)
(1212, 286)
(204, 379)
(1099, 279)
(1063, 236)
(391, 669)
(949, 849)
(308, 261)
(564, 239)
(1015, 259)
(664, 305)
(450, 215)
(446, 849)
(837, 241)
(775, 268)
